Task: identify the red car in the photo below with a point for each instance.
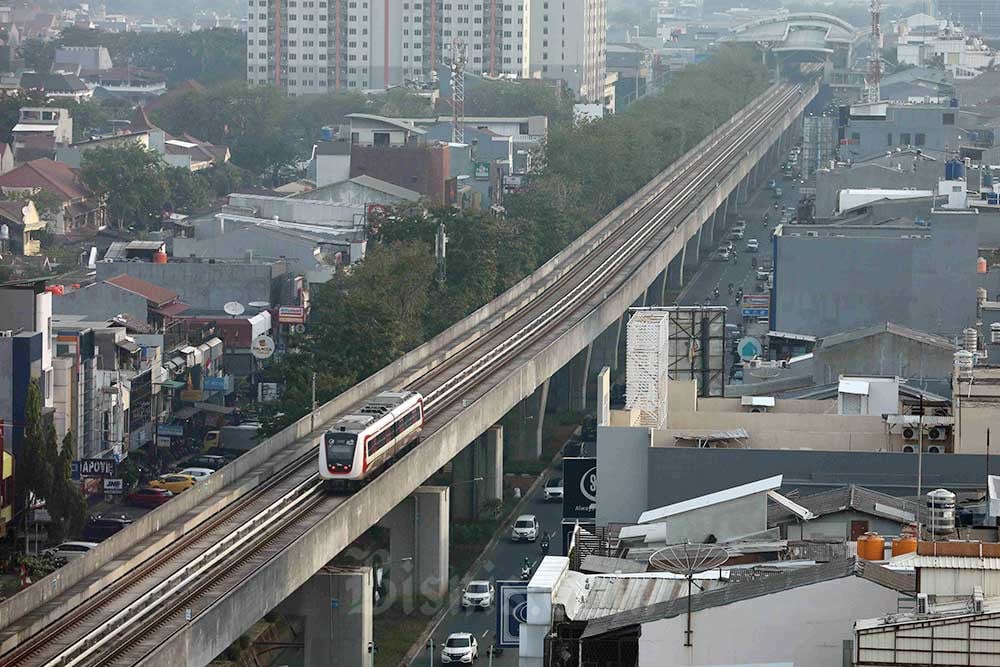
(148, 497)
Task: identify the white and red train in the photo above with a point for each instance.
(359, 444)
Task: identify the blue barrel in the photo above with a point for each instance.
(993, 198)
(954, 170)
(326, 133)
(987, 178)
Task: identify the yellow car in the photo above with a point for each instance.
(174, 483)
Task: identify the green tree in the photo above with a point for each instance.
(187, 191)
(133, 180)
(33, 471)
(66, 503)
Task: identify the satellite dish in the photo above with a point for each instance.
(234, 308)
(688, 560)
(259, 304)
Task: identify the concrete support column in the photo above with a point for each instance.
(741, 191)
(477, 475)
(418, 546)
(543, 398)
(694, 257)
(675, 271)
(335, 606)
(725, 215)
(604, 397)
(656, 290)
(712, 223)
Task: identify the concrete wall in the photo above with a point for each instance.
(680, 473)
(202, 285)
(776, 430)
(874, 135)
(920, 174)
(801, 626)
(723, 521)
(883, 354)
(838, 526)
(303, 255)
(100, 301)
(828, 285)
(621, 459)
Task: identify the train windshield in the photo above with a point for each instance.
(340, 448)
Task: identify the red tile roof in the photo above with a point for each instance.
(55, 177)
(156, 295)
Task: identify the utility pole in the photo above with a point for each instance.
(920, 449)
(441, 253)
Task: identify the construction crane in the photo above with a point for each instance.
(873, 84)
(458, 60)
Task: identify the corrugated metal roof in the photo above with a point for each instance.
(597, 596)
(725, 495)
(608, 565)
(853, 497)
(947, 562)
(752, 588)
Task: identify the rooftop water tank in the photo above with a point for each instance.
(159, 257)
(871, 546)
(326, 133)
(963, 363)
(969, 340)
(941, 512)
(954, 170)
(981, 265)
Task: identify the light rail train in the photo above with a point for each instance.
(359, 444)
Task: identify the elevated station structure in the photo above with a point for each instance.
(788, 40)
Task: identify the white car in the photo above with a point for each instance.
(478, 595)
(460, 647)
(71, 550)
(553, 489)
(198, 473)
(752, 245)
(525, 528)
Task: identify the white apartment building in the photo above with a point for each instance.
(314, 46)
(566, 39)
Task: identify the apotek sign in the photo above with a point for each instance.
(580, 488)
(97, 467)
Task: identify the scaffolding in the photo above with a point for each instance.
(819, 143)
(646, 366)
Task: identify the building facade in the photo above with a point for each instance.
(313, 46)
(568, 41)
(308, 47)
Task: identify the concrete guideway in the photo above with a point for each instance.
(338, 521)
(447, 434)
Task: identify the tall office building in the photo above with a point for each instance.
(314, 46)
(566, 39)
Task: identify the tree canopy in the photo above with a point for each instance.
(390, 302)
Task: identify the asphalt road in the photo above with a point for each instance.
(503, 563)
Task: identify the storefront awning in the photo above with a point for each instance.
(186, 412)
(172, 384)
(218, 409)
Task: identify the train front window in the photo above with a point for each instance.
(340, 448)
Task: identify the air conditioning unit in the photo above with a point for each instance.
(937, 433)
(909, 449)
(935, 449)
(6, 333)
(909, 433)
(923, 607)
(812, 234)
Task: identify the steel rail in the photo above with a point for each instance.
(183, 581)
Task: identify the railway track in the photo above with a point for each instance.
(116, 625)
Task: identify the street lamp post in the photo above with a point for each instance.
(430, 651)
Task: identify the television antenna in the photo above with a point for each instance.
(688, 560)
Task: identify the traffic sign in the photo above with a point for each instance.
(512, 611)
(756, 300)
(749, 348)
(756, 312)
